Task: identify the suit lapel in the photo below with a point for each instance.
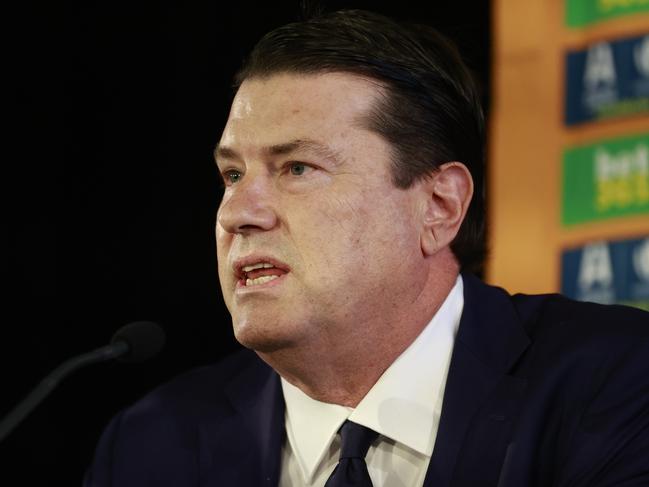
(257, 424)
(479, 398)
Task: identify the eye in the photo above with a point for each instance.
(297, 168)
(232, 176)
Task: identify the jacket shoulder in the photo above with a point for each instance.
(155, 441)
(197, 390)
(554, 313)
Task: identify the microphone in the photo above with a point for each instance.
(134, 342)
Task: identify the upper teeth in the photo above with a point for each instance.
(261, 265)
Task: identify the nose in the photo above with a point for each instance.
(248, 206)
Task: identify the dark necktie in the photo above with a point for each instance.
(352, 469)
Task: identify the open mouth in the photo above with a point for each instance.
(258, 273)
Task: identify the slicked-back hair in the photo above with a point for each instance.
(431, 114)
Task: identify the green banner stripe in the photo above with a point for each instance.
(580, 13)
(605, 180)
(644, 304)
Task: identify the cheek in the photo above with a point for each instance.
(338, 221)
(341, 236)
(377, 234)
(223, 240)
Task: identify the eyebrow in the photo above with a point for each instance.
(321, 150)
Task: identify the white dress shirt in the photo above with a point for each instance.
(404, 407)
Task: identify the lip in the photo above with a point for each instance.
(240, 275)
(242, 289)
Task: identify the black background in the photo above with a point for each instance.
(111, 194)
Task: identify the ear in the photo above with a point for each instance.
(447, 194)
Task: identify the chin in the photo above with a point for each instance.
(262, 337)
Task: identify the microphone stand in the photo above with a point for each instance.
(49, 383)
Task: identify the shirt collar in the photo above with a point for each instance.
(404, 404)
(310, 426)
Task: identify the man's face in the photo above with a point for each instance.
(315, 244)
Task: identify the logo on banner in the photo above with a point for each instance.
(605, 180)
(600, 78)
(622, 180)
(595, 277)
(608, 272)
(641, 260)
(641, 57)
(608, 79)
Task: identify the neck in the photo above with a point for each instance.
(342, 368)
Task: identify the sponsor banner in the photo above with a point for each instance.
(580, 13)
(607, 80)
(608, 272)
(605, 180)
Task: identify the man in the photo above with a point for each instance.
(352, 213)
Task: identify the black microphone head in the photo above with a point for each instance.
(144, 339)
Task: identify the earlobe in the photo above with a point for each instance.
(447, 193)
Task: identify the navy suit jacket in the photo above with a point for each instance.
(541, 391)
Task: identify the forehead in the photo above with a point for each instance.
(303, 105)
